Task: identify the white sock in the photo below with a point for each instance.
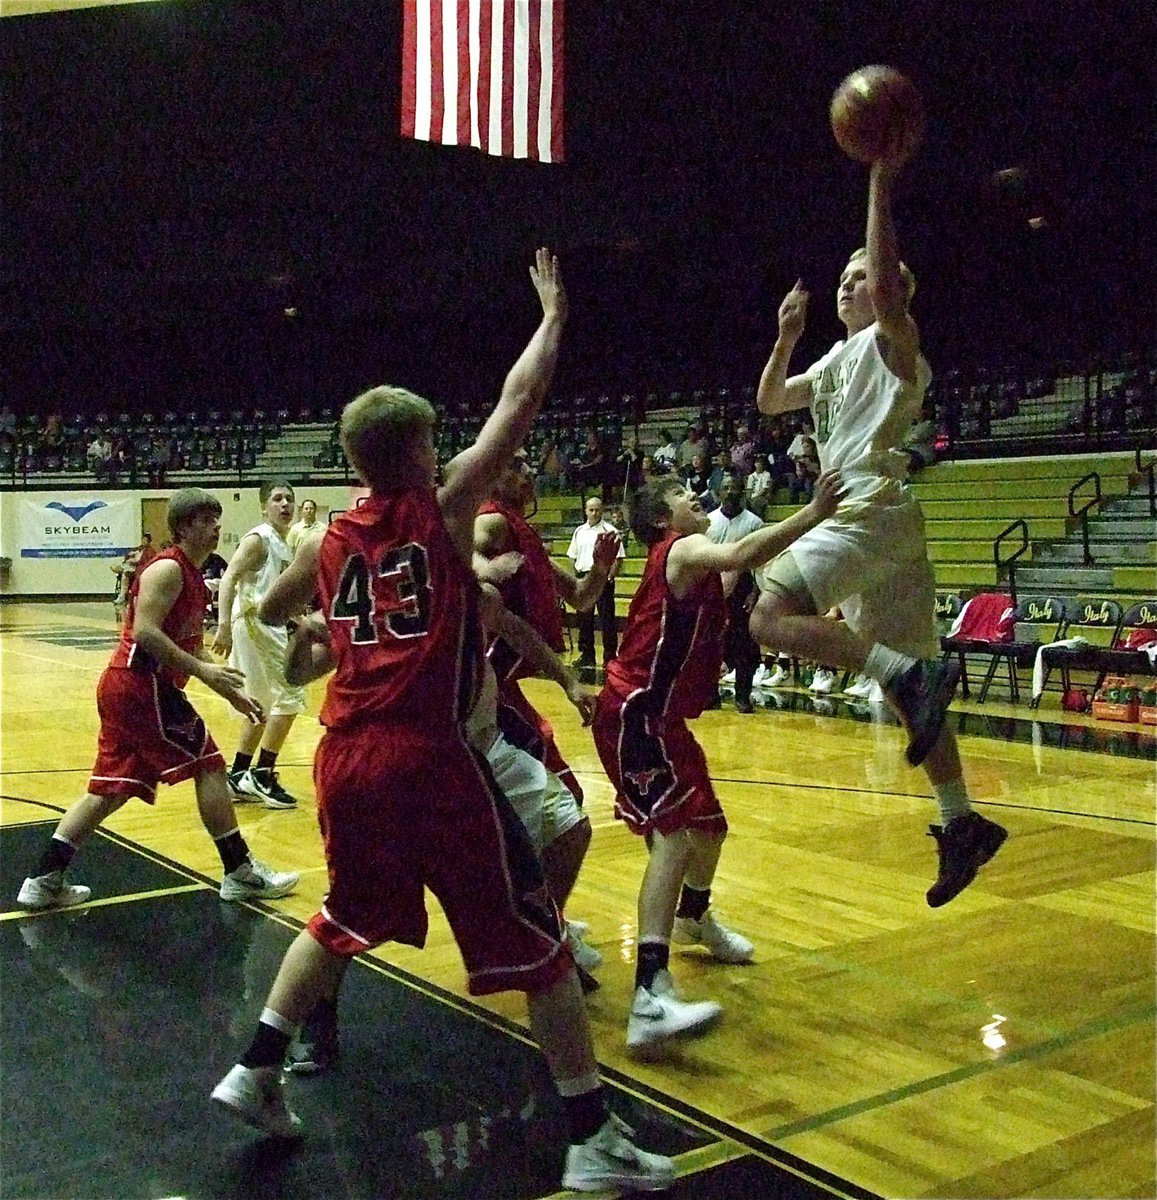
(270, 1017)
(884, 664)
(579, 1085)
(953, 800)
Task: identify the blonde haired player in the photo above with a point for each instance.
(870, 559)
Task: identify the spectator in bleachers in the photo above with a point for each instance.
(667, 453)
(53, 435)
(691, 445)
(212, 569)
(720, 468)
(7, 426)
(920, 444)
(806, 460)
(773, 441)
(742, 457)
(698, 475)
(628, 469)
(99, 455)
(807, 430)
(305, 524)
(757, 486)
(588, 469)
(160, 447)
(551, 477)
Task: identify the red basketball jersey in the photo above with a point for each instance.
(184, 625)
(530, 593)
(672, 649)
(402, 609)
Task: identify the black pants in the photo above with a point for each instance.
(740, 649)
(586, 625)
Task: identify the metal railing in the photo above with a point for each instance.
(1083, 512)
(1019, 524)
(1147, 469)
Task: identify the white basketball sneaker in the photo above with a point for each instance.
(658, 1014)
(611, 1161)
(860, 688)
(253, 880)
(822, 682)
(585, 956)
(39, 892)
(256, 1096)
(780, 677)
(725, 944)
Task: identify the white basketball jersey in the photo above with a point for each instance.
(251, 591)
(862, 413)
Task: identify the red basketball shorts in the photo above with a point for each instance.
(401, 810)
(149, 734)
(657, 767)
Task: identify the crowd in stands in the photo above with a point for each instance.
(603, 444)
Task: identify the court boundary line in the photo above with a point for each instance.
(715, 1127)
(758, 1145)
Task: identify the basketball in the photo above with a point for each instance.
(871, 108)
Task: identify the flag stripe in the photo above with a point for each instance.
(435, 129)
(484, 73)
(465, 83)
(409, 68)
(485, 19)
(508, 78)
(554, 83)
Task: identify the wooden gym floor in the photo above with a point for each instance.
(1001, 1046)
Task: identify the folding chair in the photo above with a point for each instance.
(1123, 655)
(981, 623)
(1096, 620)
(1043, 617)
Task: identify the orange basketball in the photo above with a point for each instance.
(872, 107)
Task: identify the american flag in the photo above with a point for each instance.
(484, 73)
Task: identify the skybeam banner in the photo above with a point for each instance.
(77, 527)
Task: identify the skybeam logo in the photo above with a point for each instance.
(77, 513)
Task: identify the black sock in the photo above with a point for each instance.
(585, 1114)
(653, 958)
(266, 759)
(322, 1021)
(267, 1048)
(56, 857)
(241, 762)
(693, 902)
(232, 849)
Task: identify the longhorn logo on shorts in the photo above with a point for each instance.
(643, 779)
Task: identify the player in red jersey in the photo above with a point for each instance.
(666, 672)
(149, 732)
(404, 799)
(532, 593)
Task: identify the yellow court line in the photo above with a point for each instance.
(106, 901)
(56, 662)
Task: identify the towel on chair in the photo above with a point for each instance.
(1038, 666)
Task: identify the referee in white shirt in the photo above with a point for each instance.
(581, 552)
(731, 521)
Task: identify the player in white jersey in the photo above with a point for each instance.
(258, 650)
(870, 559)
